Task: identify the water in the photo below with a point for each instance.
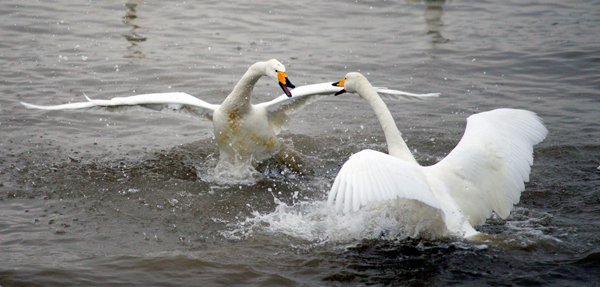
(128, 197)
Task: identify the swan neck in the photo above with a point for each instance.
(240, 95)
(396, 145)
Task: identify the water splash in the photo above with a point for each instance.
(319, 223)
(245, 172)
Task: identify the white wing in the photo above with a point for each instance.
(60, 107)
(301, 96)
(156, 101)
(388, 94)
(281, 107)
(486, 171)
(370, 176)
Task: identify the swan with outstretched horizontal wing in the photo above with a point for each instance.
(484, 173)
(244, 132)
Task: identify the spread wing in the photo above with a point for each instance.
(388, 94)
(281, 107)
(157, 101)
(486, 171)
(370, 176)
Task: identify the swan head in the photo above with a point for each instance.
(276, 71)
(350, 83)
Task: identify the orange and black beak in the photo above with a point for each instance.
(284, 83)
(340, 84)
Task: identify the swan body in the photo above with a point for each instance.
(484, 173)
(244, 132)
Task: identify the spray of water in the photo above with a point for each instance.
(319, 223)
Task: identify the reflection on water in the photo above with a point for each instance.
(434, 9)
(134, 50)
(433, 20)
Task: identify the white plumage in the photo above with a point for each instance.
(484, 173)
(381, 175)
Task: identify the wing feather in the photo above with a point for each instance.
(357, 196)
(388, 94)
(340, 195)
(370, 176)
(491, 162)
(157, 101)
(281, 107)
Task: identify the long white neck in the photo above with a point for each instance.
(239, 98)
(396, 145)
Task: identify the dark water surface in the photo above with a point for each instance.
(128, 197)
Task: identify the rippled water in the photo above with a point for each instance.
(128, 197)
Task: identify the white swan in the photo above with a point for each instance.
(485, 172)
(244, 132)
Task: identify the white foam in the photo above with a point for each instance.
(225, 173)
(318, 223)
